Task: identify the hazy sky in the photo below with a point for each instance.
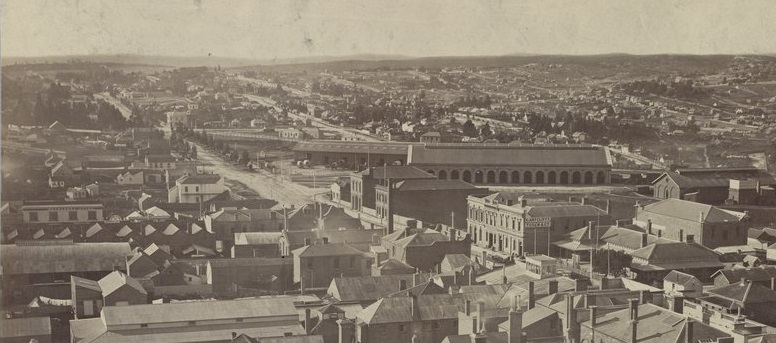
(265, 29)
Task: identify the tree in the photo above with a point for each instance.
(613, 261)
(469, 130)
(485, 131)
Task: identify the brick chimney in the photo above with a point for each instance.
(467, 307)
(688, 331)
(307, 322)
(480, 316)
(644, 239)
(531, 295)
(649, 226)
(415, 310)
(515, 333)
(633, 308)
(552, 287)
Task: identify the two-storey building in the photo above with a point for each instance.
(196, 188)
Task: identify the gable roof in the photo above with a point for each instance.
(691, 211)
(760, 273)
(85, 283)
(199, 179)
(680, 278)
(399, 309)
(422, 238)
(745, 292)
(327, 249)
(674, 252)
(257, 238)
(363, 288)
(113, 281)
(25, 327)
(394, 264)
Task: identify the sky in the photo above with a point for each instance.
(268, 29)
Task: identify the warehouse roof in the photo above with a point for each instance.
(509, 155)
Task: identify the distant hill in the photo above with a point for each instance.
(633, 64)
(191, 61)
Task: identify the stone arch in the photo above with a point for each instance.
(575, 177)
(552, 177)
(588, 178)
(479, 176)
(491, 176)
(515, 176)
(527, 177)
(564, 177)
(467, 176)
(443, 175)
(601, 178)
(540, 177)
(455, 175)
(503, 177)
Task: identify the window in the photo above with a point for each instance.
(33, 216)
(239, 320)
(435, 325)
(186, 189)
(143, 325)
(72, 215)
(192, 322)
(426, 327)
(92, 215)
(352, 262)
(309, 264)
(196, 189)
(402, 328)
(53, 216)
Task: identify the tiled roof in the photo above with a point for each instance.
(454, 262)
(199, 310)
(628, 238)
(425, 288)
(63, 258)
(509, 155)
(330, 249)
(363, 288)
(394, 264)
(689, 210)
(425, 238)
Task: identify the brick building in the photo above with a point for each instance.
(316, 265)
(427, 200)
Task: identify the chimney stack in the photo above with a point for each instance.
(590, 229)
(414, 308)
(307, 323)
(531, 295)
(478, 337)
(649, 226)
(325, 240)
(523, 202)
(389, 201)
(415, 279)
(452, 234)
(644, 239)
(515, 333)
(688, 331)
(580, 285)
(480, 316)
(593, 315)
(700, 217)
(306, 241)
(552, 287)
(643, 297)
(634, 319)
(467, 307)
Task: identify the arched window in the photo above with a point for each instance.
(564, 177)
(552, 177)
(527, 177)
(575, 178)
(515, 176)
(467, 176)
(443, 175)
(540, 177)
(589, 178)
(601, 178)
(503, 177)
(454, 175)
(491, 176)
(478, 176)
